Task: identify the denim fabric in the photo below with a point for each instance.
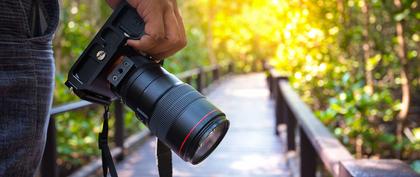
(26, 86)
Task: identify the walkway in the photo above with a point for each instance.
(250, 147)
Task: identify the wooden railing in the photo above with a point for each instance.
(317, 143)
(200, 78)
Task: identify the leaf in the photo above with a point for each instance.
(346, 77)
(372, 62)
(402, 15)
(416, 133)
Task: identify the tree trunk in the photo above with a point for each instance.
(366, 48)
(405, 81)
(211, 11)
(342, 12)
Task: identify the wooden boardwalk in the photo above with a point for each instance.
(250, 148)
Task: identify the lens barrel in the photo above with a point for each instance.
(175, 112)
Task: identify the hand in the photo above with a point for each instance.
(164, 28)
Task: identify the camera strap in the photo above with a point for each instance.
(107, 162)
(163, 153)
(164, 159)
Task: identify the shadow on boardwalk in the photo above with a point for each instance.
(249, 149)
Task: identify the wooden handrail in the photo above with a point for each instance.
(316, 142)
(49, 165)
(70, 107)
(328, 148)
(188, 73)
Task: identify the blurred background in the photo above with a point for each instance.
(355, 62)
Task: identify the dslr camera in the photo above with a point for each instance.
(175, 112)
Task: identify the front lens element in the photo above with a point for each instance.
(210, 140)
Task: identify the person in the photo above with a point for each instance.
(27, 70)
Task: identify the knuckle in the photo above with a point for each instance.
(183, 43)
(156, 36)
(166, 5)
(173, 41)
(178, 42)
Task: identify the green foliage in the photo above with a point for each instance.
(325, 62)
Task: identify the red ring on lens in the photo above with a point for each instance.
(188, 135)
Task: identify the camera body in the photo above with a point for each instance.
(88, 76)
(175, 112)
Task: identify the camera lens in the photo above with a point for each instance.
(175, 112)
(209, 141)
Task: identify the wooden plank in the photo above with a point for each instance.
(329, 149)
(249, 149)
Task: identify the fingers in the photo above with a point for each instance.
(177, 40)
(154, 26)
(144, 44)
(166, 54)
(164, 29)
(181, 24)
(183, 39)
(154, 34)
(172, 36)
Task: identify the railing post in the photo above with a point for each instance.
(119, 127)
(291, 128)
(262, 65)
(282, 113)
(231, 68)
(199, 80)
(254, 67)
(270, 85)
(216, 73)
(206, 78)
(279, 102)
(265, 65)
(49, 159)
(308, 156)
(287, 116)
(188, 80)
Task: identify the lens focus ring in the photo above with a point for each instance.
(170, 106)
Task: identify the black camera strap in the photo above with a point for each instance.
(107, 162)
(164, 159)
(163, 153)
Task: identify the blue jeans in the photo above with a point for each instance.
(26, 87)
